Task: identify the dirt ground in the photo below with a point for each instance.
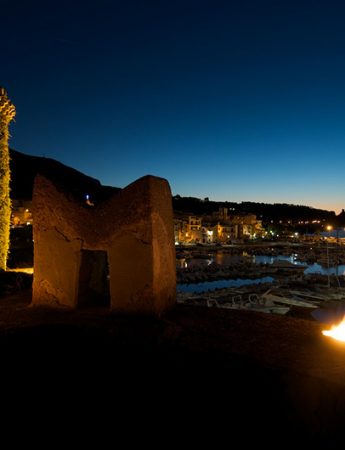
(240, 367)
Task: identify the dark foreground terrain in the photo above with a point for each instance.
(197, 373)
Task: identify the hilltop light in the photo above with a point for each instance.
(88, 201)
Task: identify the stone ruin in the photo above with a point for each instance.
(119, 253)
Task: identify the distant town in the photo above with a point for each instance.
(227, 226)
(196, 221)
(199, 221)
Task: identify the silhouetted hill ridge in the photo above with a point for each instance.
(25, 167)
(264, 211)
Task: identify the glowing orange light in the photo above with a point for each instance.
(337, 331)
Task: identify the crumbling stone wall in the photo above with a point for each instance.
(134, 227)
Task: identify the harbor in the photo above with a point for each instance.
(278, 279)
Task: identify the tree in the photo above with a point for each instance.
(7, 113)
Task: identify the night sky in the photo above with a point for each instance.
(231, 100)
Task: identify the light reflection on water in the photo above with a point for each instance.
(225, 259)
(316, 268)
(220, 284)
(268, 259)
(309, 268)
(261, 259)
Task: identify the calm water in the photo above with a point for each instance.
(220, 284)
(309, 268)
(257, 259)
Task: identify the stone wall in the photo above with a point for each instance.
(135, 230)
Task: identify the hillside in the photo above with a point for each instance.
(25, 167)
(264, 211)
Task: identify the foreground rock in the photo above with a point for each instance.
(131, 233)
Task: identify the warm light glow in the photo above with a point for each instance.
(329, 227)
(337, 331)
(29, 270)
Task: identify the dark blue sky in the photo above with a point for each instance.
(231, 100)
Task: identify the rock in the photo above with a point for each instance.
(133, 229)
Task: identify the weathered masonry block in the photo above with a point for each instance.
(126, 241)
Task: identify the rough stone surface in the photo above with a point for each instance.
(134, 228)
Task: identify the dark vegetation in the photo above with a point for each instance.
(264, 211)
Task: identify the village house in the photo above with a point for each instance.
(21, 214)
(219, 227)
